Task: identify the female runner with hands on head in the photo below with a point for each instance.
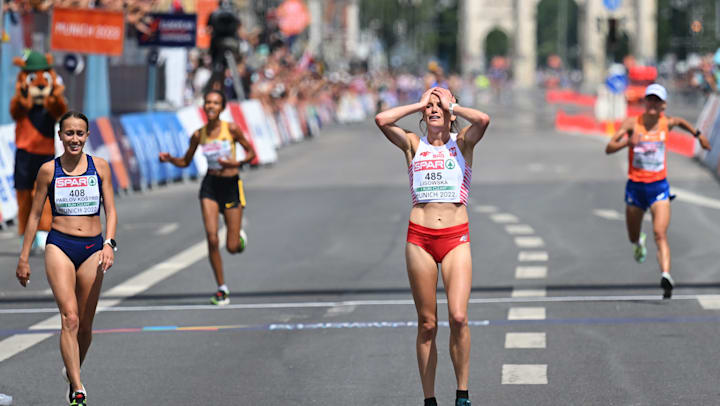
(76, 256)
(221, 189)
(440, 168)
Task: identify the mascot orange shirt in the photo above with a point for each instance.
(37, 104)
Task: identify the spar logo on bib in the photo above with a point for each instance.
(450, 164)
(429, 165)
(72, 182)
(92, 181)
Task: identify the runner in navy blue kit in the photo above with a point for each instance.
(440, 169)
(76, 255)
(221, 190)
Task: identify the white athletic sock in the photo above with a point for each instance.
(224, 288)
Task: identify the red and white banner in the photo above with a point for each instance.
(87, 31)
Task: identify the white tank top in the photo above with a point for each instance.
(439, 174)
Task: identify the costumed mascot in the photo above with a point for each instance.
(38, 103)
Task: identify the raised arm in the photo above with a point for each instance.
(682, 123)
(185, 160)
(386, 121)
(44, 178)
(617, 142)
(479, 121)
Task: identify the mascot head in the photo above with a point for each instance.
(37, 77)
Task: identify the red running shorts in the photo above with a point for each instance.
(438, 241)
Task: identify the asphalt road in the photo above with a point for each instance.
(321, 312)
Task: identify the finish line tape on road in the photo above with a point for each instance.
(399, 302)
(378, 325)
(131, 287)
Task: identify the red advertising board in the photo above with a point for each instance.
(204, 9)
(87, 31)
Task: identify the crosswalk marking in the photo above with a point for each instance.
(525, 340)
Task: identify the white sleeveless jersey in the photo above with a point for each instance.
(439, 174)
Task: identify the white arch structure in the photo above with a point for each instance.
(517, 18)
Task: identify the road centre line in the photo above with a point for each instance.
(399, 302)
(504, 218)
(518, 292)
(533, 256)
(526, 313)
(134, 285)
(525, 340)
(524, 374)
(519, 229)
(529, 242)
(531, 272)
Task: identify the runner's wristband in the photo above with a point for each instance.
(111, 242)
(697, 133)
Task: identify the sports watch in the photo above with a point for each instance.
(451, 106)
(111, 243)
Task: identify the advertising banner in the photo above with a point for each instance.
(170, 30)
(204, 9)
(259, 131)
(127, 153)
(8, 200)
(145, 148)
(101, 150)
(89, 31)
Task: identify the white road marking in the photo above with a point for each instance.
(19, 342)
(529, 292)
(519, 229)
(524, 374)
(138, 283)
(8, 235)
(399, 302)
(694, 198)
(339, 311)
(504, 218)
(531, 272)
(167, 229)
(529, 242)
(485, 209)
(526, 313)
(711, 302)
(525, 340)
(610, 214)
(533, 256)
